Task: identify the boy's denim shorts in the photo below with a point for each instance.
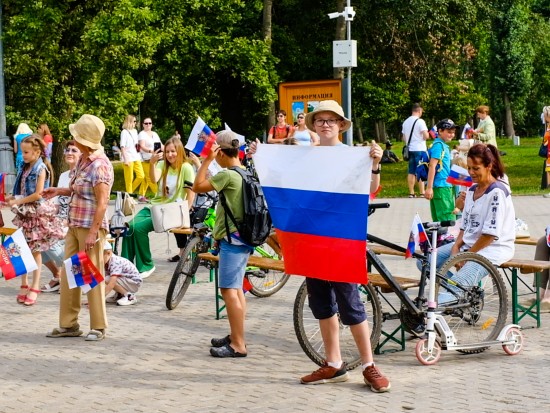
(327, 298)
(233, 259)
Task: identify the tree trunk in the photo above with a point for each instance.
(338, 72)
(380, 131)
(357, 126)
(266, 31)
(508, 120)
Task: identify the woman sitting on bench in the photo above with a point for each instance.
(171, 169)
(488, 220)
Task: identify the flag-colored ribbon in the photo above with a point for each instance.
(81, 272)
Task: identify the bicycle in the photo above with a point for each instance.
(476, 317)
(263, 282)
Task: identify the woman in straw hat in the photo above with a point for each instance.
(89, 188)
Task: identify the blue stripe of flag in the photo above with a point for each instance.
(324, 214)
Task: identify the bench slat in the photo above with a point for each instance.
(526, 241)
(4, 231)
(382, 249)
(526, 266)
(185, 231)
(405, 283)
(253, 261)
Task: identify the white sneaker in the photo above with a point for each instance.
(128, 299)
(146, 274)
(546, 195)
(113, 298)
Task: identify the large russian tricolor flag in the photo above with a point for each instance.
(200, 139)
(81, 272)
(318, 198)
(16, 257)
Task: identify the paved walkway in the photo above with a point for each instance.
(155, 360)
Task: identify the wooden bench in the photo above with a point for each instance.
(253, 261)
(6, 232)
(398, 334)
(524, 267)
(184, 231)
(526, 241)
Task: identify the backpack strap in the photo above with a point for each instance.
(411, 134)
(226, 209)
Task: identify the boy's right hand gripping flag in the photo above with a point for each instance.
(318, 198)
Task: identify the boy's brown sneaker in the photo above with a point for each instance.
(326, 374)
(374, 378)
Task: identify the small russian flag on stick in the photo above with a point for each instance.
(416, 236)
(459, 176)
(200, 139)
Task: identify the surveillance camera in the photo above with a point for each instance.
(334, 15)
(349, 13)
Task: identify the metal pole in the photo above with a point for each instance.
(6, 150)
(349, 133)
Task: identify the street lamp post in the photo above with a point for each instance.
(6, 150)
(345, 55)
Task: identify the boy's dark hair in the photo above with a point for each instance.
(232, 153)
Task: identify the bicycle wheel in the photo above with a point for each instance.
(309, 335)
(266, 282)
(184, 272)
(475, 314)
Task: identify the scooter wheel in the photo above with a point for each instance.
(426, 357)
(516, 347)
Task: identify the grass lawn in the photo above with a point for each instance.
(522, 163)
(523, 166)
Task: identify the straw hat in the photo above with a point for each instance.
(328, 106)
(88, 131)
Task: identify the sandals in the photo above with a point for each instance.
(73, 331)
(21, 297)
(412, 196)
(49, 288)
(175, 258)
(225, 351)
(220, 342)
(31, 301)
(95, 335)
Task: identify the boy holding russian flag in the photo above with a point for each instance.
(327, 298)
(438, 190)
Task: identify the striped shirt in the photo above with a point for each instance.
(94, 170)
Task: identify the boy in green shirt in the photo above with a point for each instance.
(233, 255)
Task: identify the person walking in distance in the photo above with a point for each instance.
(415, 134)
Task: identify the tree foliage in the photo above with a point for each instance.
(174, 60)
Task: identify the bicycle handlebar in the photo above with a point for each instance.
(442, 224)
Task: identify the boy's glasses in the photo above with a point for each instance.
(329, 122)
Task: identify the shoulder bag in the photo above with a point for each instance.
(170, 215)
(543, 150)
(405, 152)
(128, 204)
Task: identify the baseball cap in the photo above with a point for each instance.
(446, 124)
